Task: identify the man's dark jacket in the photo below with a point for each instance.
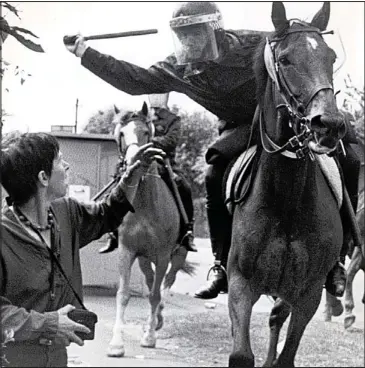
(227, 89)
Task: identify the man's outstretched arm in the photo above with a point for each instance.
(124, 76)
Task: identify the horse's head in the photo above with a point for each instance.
(300, 66)
(133, 129)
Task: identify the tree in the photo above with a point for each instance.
(20, 34)
(23, 36)
(102, 121)
(354, 105)
(198, 133)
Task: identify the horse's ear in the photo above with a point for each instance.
(145, 109)
(320, 20)
(116, 110)
(278, 16)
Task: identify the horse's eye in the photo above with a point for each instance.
(283, 60)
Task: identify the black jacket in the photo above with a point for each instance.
(226, 89)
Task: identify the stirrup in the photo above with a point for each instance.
(217, 265)
(189, 238)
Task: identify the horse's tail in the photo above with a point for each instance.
(189, 268)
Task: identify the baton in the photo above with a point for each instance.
(70, 40)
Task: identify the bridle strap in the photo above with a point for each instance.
(277, 76)
(277, 149)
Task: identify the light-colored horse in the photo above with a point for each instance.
(287, 235)
(149, 234)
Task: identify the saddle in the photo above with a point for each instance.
(239, 177)
(241, 173)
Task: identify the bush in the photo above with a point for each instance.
(198, 133)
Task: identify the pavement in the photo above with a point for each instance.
(179, 301)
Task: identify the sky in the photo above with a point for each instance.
(48, 97)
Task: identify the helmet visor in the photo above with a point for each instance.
(194, 38)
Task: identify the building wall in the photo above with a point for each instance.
(92, 162)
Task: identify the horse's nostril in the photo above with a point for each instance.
(318, 125)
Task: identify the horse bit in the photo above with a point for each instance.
(297, 121)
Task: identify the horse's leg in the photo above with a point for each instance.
(177, 262)
(278, 316)
(146, 267)
(149, 337)
(353, 268)
(116, 345)
(241, 299)
(333, 307)
(302, 312)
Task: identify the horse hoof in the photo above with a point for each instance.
(116, 351)
(148, 342)
(159, 323)
(349, 321)
(337, 309)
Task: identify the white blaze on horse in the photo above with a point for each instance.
(287, 234)
(149, 234)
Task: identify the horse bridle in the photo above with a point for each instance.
(294, 106)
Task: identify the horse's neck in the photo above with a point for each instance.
(288, 180)
(152, 190)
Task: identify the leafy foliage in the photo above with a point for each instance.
(354, 104)
(101, 122)
(198, 133)
(20, 34)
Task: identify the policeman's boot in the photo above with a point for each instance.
(219, 224)
(188, 238)
(111, 244)
(217, 284)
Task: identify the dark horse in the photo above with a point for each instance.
(288, 234)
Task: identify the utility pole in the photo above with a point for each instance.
(77, 107)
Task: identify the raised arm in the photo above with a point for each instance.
(124, 76)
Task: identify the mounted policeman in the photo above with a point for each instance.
(212, 66)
